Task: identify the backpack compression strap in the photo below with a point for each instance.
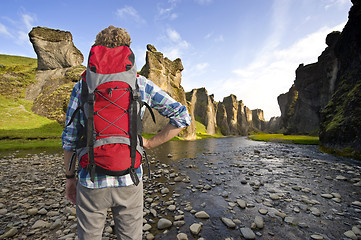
(90, 136)
(135, 98)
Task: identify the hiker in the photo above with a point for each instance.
(94, 189)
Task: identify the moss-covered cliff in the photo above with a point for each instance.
(340, 129)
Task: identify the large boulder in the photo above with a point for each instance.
(54, 48)
(167, 75)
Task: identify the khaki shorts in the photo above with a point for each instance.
(126, 204)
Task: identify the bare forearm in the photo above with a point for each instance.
(166, 134)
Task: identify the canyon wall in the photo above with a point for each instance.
(229, 117)
(340, 129)
(325, 98)
(312, 90)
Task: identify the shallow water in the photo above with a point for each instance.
(219, 172)
(264, 168)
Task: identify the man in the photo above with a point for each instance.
(94, 198)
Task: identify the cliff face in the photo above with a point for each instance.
(340, 128)
(203, 107)
(167, 75)
(326, 95)
(312, 90)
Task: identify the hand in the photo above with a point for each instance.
(146, 143)
(70, 190)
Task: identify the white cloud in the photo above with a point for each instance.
(27, 21)
(218, 39)
(19, 29)
(173, 35)
(337, 3)
(174, 44)
(4, 30)
(203, 2)
(168, 12)
(273, 72)
(129, 12)
(200, 67)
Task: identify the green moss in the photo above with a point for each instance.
(74, 73)
(280, 138)
(344, 152)
(51, 35)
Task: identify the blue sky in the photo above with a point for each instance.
(250, 48)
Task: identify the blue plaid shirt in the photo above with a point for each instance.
(155, 97)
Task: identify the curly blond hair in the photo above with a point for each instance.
(112, 37)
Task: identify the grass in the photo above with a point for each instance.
(280, 138)
(201, 132)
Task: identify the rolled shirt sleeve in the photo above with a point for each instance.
(159, 100)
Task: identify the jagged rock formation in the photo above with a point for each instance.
(167, 75)
(287, 102)
(58, 70)
(230, 116)
(340, 128)
(258, 119)
(312, 89)
(274, 125)
(203, 108)
(54, 48)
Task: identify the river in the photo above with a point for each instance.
(270, 190)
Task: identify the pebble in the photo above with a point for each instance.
(315, 211)
(202, 215)
(316, 237)
(195, 228)
(35, 209)
(263, 211)
(350, 234)
(259, 222)
(40, 224)
(241, 203)
(327, 195)
(146, 227)
(228, 222)
(12, 232)
(182, 236)
(247, 233)
(164, 223)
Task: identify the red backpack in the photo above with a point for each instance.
(111, 141)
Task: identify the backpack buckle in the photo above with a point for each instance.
(136, 95)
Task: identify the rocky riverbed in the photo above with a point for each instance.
(229, 188)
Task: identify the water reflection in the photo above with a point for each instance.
(192, 149)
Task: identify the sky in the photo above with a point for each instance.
(249, 48)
